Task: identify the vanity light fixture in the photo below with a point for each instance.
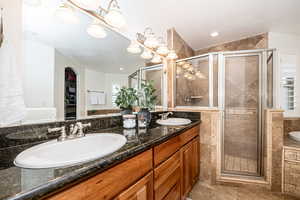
(214, 34)
(134, 47)
(114, 17)
(156, 59)
(162, 48)
(172, 55)
(153, 46)
(150, 41)
(121, 68)
(96, 30)
(147, 54)
(66, 13)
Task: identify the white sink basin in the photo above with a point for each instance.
(174, 122)
(70, 152)
(295, 135)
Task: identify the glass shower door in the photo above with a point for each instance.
(241, 146)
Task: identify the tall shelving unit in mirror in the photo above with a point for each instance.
(70, 94)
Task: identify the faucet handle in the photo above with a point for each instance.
(62, 129)
(87, 125)
(81, 127)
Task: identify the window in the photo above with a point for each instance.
(288, 80)
(115, 90)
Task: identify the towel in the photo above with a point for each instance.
(97, 98)
(101, 98)
(93, 98)
(12, 106)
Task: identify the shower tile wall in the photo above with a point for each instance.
(255, 42)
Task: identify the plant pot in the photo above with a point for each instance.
(126, 111)
(144, 117)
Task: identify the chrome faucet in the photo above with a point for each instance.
(76, 131)
(164, 116)
(63, 135)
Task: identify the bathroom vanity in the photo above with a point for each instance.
(166, 171)
(158, 162)
(291, 167)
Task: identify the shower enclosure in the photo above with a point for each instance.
(240, 85)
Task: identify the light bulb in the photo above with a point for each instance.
(134, 47)
(186, 75)
(115, 18)
(162, 50)
(178, 70)
(190, 68)
(181, 63)
(186, 66)
(200, 75)
(172, 55)
(88, 4)
(96, 30)
(151, 41)
(146, 54)
(156, 59)
(66, 14)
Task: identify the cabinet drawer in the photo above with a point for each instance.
(189, 135)
(174, 194)
(110, 183)
(166, 149)
(291, 155)
(166, 176)
(142, 190)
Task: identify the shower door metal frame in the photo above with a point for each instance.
(261, 96)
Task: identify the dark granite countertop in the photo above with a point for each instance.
(21, 184)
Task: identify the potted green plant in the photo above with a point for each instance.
(147, 101)
(126, 99)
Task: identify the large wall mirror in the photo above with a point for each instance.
(68, 73)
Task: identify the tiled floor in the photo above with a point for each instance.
(203, 191)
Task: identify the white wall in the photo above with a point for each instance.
(38, 81)
(62, 62)
(38, 74)
(286, 45)
(100, 81)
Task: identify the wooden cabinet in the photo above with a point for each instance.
(175, 171)
(166, 176)
(142, 190)
(110, 183)
(189, 165)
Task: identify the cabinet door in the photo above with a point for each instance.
(196, 159)
(142, 190)
(189, 165)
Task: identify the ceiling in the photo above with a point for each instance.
(105, 55)
(194, 20)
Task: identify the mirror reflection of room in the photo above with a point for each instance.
(71, 72)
